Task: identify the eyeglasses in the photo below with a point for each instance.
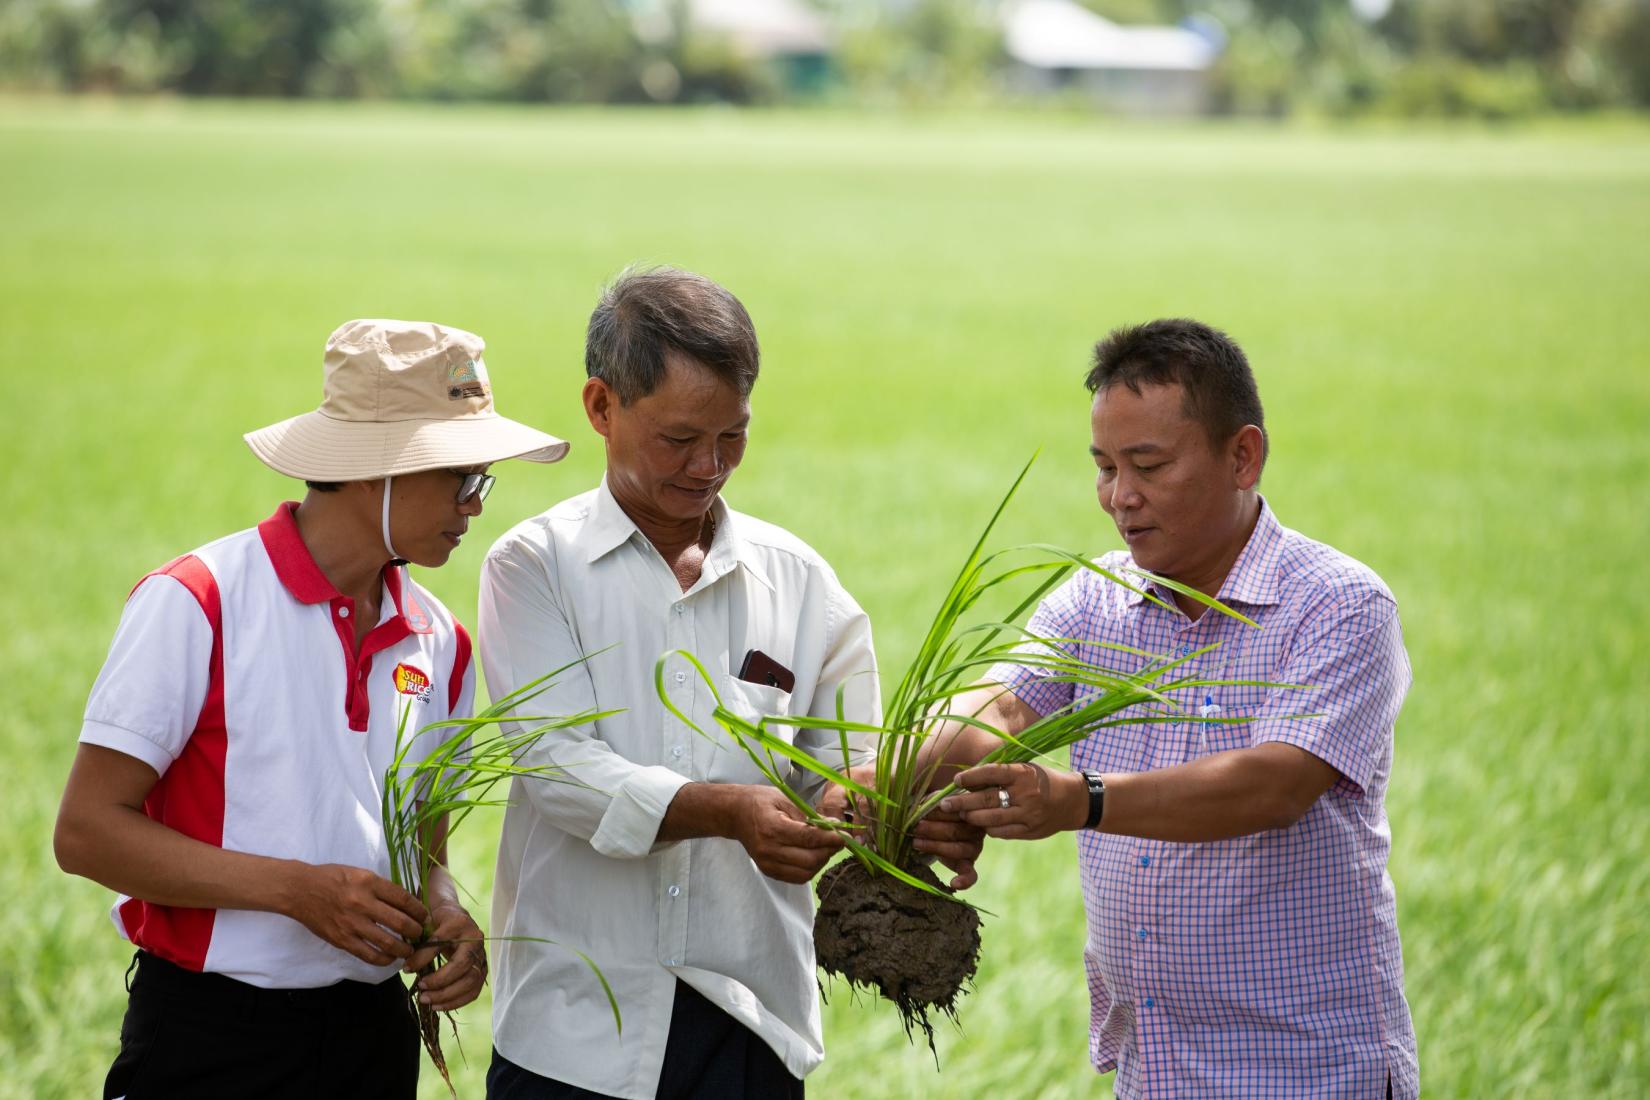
(475, 486)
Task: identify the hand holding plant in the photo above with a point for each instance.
(1041, 801)
(780, 840)
(941, 835)
(456, 938)
(884, 920)
(354, 910)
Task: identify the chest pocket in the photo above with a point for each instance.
(1213, 737)
(1234, 702)
(752, 702)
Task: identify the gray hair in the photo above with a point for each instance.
(648, 312)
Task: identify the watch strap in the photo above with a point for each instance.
(1097, 798)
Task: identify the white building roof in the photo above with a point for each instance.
(1060, 34)
(761, 28)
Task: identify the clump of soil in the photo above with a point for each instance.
(913, 948)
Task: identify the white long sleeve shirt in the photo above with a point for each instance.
(578, 863)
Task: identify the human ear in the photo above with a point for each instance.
(1248, 454)
(599, 400)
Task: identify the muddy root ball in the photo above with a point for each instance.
(913, 948)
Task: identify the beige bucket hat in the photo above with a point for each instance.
(399, 397)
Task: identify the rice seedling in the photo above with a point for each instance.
(424, 802)
(885, 921)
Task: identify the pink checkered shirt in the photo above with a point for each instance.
(1266, 966)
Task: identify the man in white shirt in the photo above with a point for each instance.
(231, 761)
(673, 864)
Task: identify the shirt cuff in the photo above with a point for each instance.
(123, 740)
(632, 820)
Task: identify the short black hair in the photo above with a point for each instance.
(1208, 366)
(324, 486)
(649, 312)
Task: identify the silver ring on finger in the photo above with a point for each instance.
(1002, 798)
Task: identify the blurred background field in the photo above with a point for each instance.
(1449, 326)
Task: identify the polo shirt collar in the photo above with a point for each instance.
(608, 527)
(1254, 578)
(296, 569)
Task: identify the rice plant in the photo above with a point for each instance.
(425, 801)
(955, 655)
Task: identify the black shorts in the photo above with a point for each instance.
(189, 1035)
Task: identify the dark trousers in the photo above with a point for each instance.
(189, 1035)
(708, 1056)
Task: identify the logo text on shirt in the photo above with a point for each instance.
(413, 681)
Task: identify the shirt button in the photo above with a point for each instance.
(674, 891)
(1142, 933)
(1145, 861)
(343, 612)
(680, 608)
(1149, 1002)
(677, 751)
(680, 677)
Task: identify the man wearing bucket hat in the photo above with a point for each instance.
(227, 779)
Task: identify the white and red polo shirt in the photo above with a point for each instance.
(234, 674)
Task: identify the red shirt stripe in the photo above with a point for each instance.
(189, 797)
(461, 665)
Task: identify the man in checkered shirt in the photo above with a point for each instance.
(1242, 928)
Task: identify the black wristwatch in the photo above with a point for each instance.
(1097, 798)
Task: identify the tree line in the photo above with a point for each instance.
(1410, 57)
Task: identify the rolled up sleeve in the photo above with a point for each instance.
(611, 802)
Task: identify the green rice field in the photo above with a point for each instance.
(1451, 328)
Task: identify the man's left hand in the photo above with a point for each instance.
(1020, 801)
(456, 938)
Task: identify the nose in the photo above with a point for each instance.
(1119, 492)
(471, 507)
(706, 462)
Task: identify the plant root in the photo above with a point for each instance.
(917, 950)
(429, 1029)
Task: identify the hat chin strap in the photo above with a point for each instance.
(387, 545)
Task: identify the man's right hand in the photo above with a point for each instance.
(779, 839)
(357, 911)
(952, 841)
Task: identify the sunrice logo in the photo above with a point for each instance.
(413, 681)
